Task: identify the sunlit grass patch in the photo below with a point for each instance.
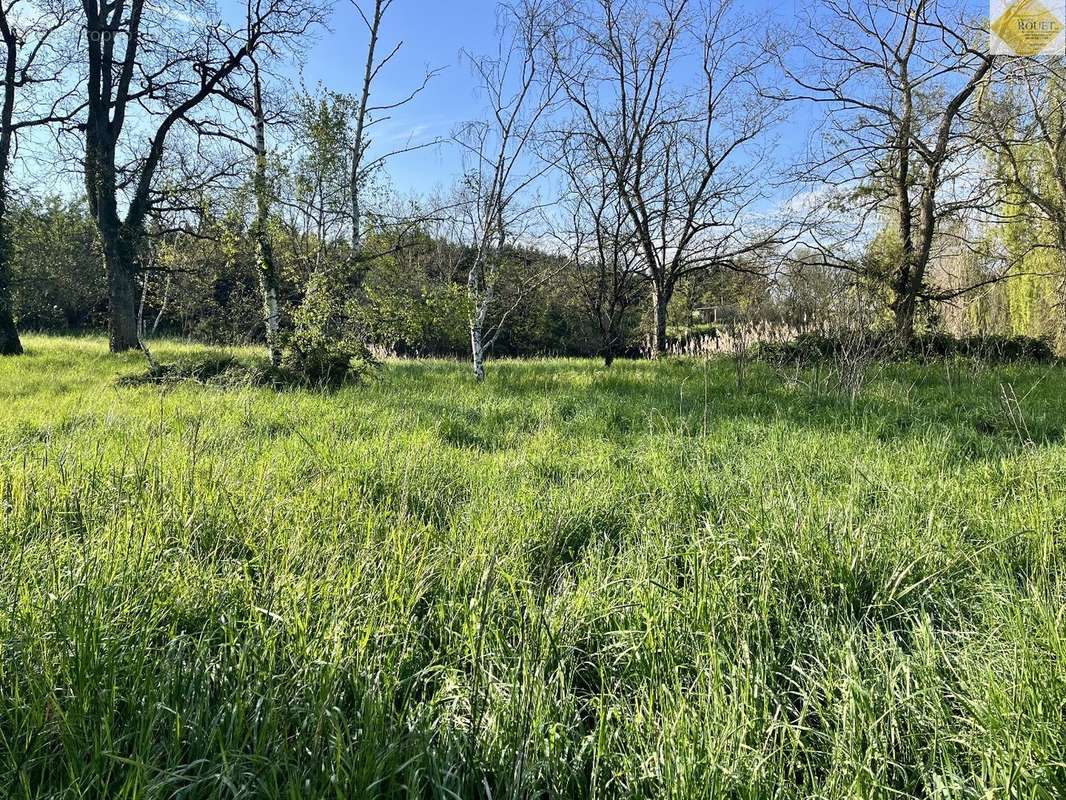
(564, 582)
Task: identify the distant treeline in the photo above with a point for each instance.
(205, 287)
(632, 182)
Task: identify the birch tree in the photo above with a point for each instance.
(495, 203)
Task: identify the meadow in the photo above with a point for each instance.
(664, 579)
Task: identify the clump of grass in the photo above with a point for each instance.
(565, 582)
(230, 371)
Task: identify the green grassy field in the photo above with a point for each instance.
(567, 582)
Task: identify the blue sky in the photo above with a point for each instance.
(433, 33)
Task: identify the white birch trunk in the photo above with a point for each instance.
(140, 308)
(477, 350)
(273, 316)
(480, 298)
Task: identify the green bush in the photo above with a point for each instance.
(323, 350)
(991, 348)
(324, 363)
(812, 348)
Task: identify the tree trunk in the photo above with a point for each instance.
(609, 338)
(904, 311)
(10, 345)
(477, 344)
(122, 293)
(9, 337)
(119, 242)
(272, 318)
(915, 262)
(162, 306)
(480, 296)
(264, 255)
(661, 302)
(140, 307)
(905, 304)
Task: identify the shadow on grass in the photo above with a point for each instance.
(584, 401)
(961, 405)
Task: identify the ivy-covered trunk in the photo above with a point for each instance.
(119, 241)
(264, 251)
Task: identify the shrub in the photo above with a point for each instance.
(813, 348)
(325, 363)
(323, 350)
(991, 348)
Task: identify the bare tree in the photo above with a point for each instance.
(609, 269)
(899, 80)
(685, 155)
(367, 114)
(495, 202)
(149, 68)
(33, 95)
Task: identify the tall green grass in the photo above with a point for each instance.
(567, 582)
